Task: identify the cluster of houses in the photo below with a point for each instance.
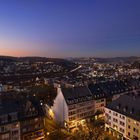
(74, 105)
(116, 101)
(21, 119)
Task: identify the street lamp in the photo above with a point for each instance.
(48, 133)
(51, 113)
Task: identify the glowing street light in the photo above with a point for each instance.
(51, 113)
(48, 133)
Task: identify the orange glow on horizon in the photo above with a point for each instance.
(19, 48)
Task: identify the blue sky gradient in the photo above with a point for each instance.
(70, 28)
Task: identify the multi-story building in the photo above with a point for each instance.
(98, 96)
(32, 129)
(106, 92)
(123, 117)
(73, 105)
(9, 123)
(21, 119)
(1, 88)
(32, 121)
(133, 128)
(115, 123)
(10, 131)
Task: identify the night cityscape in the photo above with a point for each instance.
(69, 70)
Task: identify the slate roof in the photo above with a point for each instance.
(96, 91)
(99, 90)
(127, 105)
(110, 88)
(76, 94)
(21, 107)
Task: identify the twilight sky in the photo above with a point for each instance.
(65, 28)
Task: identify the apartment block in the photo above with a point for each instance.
(123, 117)
(21, 119)
(73, 105)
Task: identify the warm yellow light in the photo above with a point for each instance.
(96, 117)
(115, 128)
(17, 125)
(82, 121)
(51, 113)
(65, 123)
(48, 133)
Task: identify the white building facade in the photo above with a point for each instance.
(115, 123)
(71, 112)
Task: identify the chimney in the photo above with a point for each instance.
(125, 108)
(119, 106)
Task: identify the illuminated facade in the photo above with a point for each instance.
(21, 120)
(123, 117)
(133, 128)
(73, 105)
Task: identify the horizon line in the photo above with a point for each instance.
(69, 57)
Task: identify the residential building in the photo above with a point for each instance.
(123, 117)
(21, 119)
(32, 121)
(76, 103)
(105, 92)
(9, 123)
(1, 88)
(73, 105)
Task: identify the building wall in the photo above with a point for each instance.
(116, 96)
(32, 129)
(60, 108)
(132, 128)
(115, 122)
(99, 105)
(35, 135)
(10, 131)
(71, 114)
(78, 112)
(29, 129)
(1, 87)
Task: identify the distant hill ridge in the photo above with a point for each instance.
(118, 59)
(58, 60)
(30, 58)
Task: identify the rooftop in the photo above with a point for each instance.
(76, 94)
(127, 105)
(23, 108)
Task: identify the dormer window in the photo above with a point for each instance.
(125, 108)
(118, 106)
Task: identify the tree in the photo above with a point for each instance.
(96, 129)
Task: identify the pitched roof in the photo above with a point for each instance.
(127, 105)
(109, 88)
(24, 108)
(76, 94)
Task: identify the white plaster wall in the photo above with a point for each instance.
(60, 108)
(118, 118)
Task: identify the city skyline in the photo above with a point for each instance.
(70, 29)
